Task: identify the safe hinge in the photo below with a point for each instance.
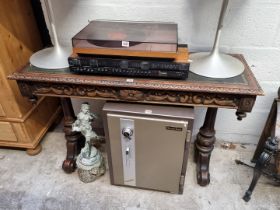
(182, 180)
(189, 136)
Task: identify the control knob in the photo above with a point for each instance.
(127, 132)
(124, 64)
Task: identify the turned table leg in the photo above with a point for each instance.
(204, 144)
(72, 145)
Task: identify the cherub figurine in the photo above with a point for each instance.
(90, 162)
(83, 125)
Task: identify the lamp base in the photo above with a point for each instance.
(51, 58)
(215, 65)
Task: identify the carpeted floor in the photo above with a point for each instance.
(38, 182)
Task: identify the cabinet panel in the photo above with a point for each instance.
(21, 123)
(19, 38)
(2, 113)
(7, 132)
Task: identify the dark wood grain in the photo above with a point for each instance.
(252, 88)
(204, 144)
(200, 92)
(72, 138)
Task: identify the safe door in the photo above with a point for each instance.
(147, 152)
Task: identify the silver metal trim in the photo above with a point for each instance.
(215, 64)
(128, 152)
(55, 57)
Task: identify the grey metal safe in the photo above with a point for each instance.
(148, 145)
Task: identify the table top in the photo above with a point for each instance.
(244, 84)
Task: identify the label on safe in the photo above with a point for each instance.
(148, 111)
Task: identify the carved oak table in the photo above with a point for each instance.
(237, 93)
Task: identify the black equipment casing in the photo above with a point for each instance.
(156, 68)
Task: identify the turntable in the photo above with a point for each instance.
(120, 38)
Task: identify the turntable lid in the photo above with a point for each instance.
(148, 32)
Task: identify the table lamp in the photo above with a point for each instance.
(215, 64)
(55, 57)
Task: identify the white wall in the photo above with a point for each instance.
(252, 27)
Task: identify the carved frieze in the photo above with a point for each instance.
(143, 95)
(131, 95)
